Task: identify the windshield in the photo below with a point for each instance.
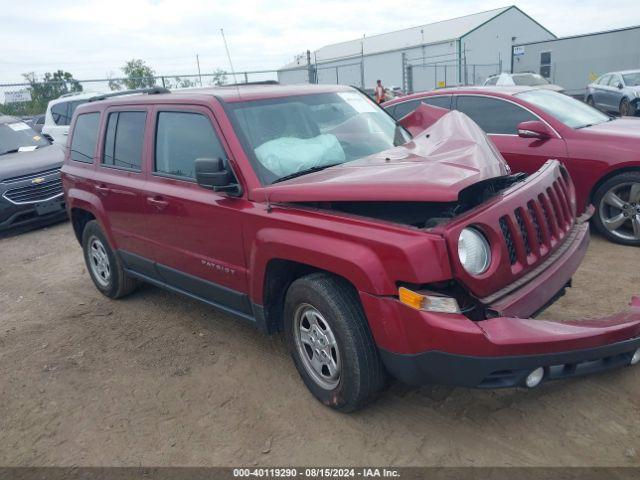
(18, 136)
(571, 112)
(285, 136)
(529, 79)
(632, 79)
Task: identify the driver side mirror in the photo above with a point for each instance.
(211, 173)
(534, 129)
(620, 86)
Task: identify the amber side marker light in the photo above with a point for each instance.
(428, 303)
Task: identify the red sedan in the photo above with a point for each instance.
(530, 126)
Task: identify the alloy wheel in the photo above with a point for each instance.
(317, 346)
(99, 262)
(619, 211)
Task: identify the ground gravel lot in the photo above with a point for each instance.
(157, 379)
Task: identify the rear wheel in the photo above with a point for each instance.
(627, 109)
(105, 269)
(617, 204)
(330, 342)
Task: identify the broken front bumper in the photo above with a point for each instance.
(512, 370)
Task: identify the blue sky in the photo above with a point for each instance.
(92, 39)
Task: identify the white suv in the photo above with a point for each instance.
(59, 113)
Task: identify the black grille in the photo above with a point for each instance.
(35, 192)
(513, 257)
(523, 231)
(535, 228)
(534, 220)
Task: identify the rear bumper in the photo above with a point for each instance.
(509, 371)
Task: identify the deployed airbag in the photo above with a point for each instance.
(287, 155)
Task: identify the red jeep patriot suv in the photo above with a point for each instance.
(306, 209)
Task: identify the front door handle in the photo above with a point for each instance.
(102, 189)
(157, 202)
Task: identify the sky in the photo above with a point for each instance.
(93, 39)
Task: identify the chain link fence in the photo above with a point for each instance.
(445, 70)
(29, 99)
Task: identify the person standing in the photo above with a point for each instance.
(379, 92)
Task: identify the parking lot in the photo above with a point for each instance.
(157, 379)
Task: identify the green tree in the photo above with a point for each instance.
(219, 77)
(42, 90)
(137, 75)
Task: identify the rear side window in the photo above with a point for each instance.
(494, 115)
(124, 140)
(62, 112)
(85, 136)
(492, 81)
(181, 138)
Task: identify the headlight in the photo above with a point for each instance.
(474, 251)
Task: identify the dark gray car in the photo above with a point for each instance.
(617, 92)
(30, 185)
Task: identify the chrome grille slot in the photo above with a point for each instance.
(35, 192)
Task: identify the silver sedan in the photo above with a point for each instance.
(617, 92)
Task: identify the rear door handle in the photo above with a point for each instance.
(102, 189)
(157, 202)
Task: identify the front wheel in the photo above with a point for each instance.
(330, 342)
(617, 204)
(627, 109)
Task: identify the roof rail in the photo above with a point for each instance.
(262, 82)
(148, 91)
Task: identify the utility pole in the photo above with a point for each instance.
(362, 62)
(199, 74)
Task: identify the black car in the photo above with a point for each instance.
(30, 186)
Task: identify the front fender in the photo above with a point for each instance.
(357, 263)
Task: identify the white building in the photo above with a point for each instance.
(574, 62)
(462, 50)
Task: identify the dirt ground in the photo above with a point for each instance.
(157, 379)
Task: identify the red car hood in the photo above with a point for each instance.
(435, 166)
(628, 127)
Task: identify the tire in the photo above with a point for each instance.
(614, 204)
(332, 306)
(100, 258)
(590, 101)
(627, 109)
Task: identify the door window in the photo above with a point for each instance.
(124, 140)
(181, 138)
(440, 101)
(85, 136)
(494, 115)
(403, 109)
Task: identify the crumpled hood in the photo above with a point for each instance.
(435, 166)
(25, 163)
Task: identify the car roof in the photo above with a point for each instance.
(226, 93)
(70, 97)
(505, 90)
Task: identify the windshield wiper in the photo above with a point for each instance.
(306, 171)
(13, 150)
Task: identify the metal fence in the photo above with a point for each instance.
(31, 98)
(417, 74)
(444, 70)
